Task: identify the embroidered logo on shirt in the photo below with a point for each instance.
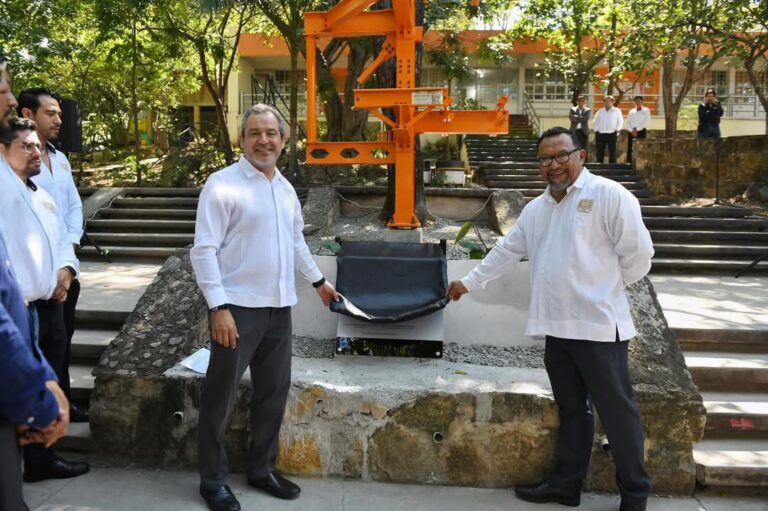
(585, 205)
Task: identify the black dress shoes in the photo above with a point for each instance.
(637, 505)
(59, 468)
(77, 414)
(277, 486)
(544, 492)
(220, 499)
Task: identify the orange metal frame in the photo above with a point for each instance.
(417, 110)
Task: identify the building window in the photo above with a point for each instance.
(542, 85)
(717, 80)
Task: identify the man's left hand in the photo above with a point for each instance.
(327, 293)
(63, 282)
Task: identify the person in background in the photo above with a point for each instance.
(42, 106)
(608, 123)
(638, 120)
(579, 116)
(710, 112)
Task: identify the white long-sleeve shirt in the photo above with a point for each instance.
(583, 252)
(60, 185)
(248, 239)
(638, 120)
(608, 121)
(31, 229)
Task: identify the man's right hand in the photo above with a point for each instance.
(55, 430)
(456, 289)
(223, 328)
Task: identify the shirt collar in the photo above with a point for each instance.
(250, 171)
(31, 185)
(51, 148)
(581, 182)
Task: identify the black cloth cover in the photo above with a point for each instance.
(383, 282)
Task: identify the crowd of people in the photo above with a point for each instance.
(609, 121)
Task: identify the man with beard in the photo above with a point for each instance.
(40, 254)
(42, 106)
(31, 401)
(586, 241)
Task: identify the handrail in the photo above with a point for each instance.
(533, 117)
(271, 94)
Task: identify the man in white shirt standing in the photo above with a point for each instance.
(248, 240)
(586, 241)
(608, 123)
(43, 260)
(638, 120)
(42, 106)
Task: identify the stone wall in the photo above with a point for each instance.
(682, 168)
(399, 420)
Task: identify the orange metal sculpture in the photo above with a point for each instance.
(417, 109)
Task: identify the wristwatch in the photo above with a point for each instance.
(222, 307)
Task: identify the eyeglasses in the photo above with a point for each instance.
(546, 161)
(29, 147)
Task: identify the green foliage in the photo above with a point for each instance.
(476, 250)
(332, 246)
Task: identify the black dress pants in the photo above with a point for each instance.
(69, 326)
(10, 469)
(583, 140)
(585, 372)
(631, 139)
(603, 140)
(54, 345)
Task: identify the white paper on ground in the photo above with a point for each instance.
(198, 361)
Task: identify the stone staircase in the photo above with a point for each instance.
(714, 239)
(730, 367)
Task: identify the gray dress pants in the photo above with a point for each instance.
(264, 346)
(10, 469)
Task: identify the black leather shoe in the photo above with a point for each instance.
(637, 505)
(544, 492)
(59, 468)
(77, 414)
(277, 486)
(220, 499)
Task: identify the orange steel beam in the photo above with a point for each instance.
(417, 110)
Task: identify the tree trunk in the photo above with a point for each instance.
(135, 105)
(671, 109)
(293, 159)
(757, 86)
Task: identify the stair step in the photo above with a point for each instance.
(681, 211)
(155, 214)
(162, 192)
(741, 341)
(100, 319)
(727, 370)
(541, 184)
(535, 192)
(732, 252)
(143, 239)
(89, 344)
(709, 236)
(697, 224)
(81, 381)
(105, 225)
(129, 253)
(710, 266)
(77, 439)
(732, 463)
(732, 415)
(155, 202)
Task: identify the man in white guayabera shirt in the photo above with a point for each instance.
(586, 241)
(248, 240)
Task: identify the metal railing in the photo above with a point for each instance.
(533, 117)
(265, 89)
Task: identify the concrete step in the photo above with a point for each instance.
(682, 211)
(152, 214)
(728, 371)
(706, 339)
(541, 184)
(724, 237)
(732, 463)
(736, 414)
(704, 266)
(87, 345)
(156, 202)
(143, 239)
(516, 175)
(162, 192)
(77, 439)
(100, 319)
(128, 253)
(709, 251)
(535, 192)
(109, 225)
(81, 381)
(532, 167)
(699, 224)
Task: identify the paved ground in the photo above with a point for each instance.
(713, 302)
(114, 286)
(120, 489)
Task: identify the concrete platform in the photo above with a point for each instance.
(129, 489)
(713, 302)
(113, 286)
